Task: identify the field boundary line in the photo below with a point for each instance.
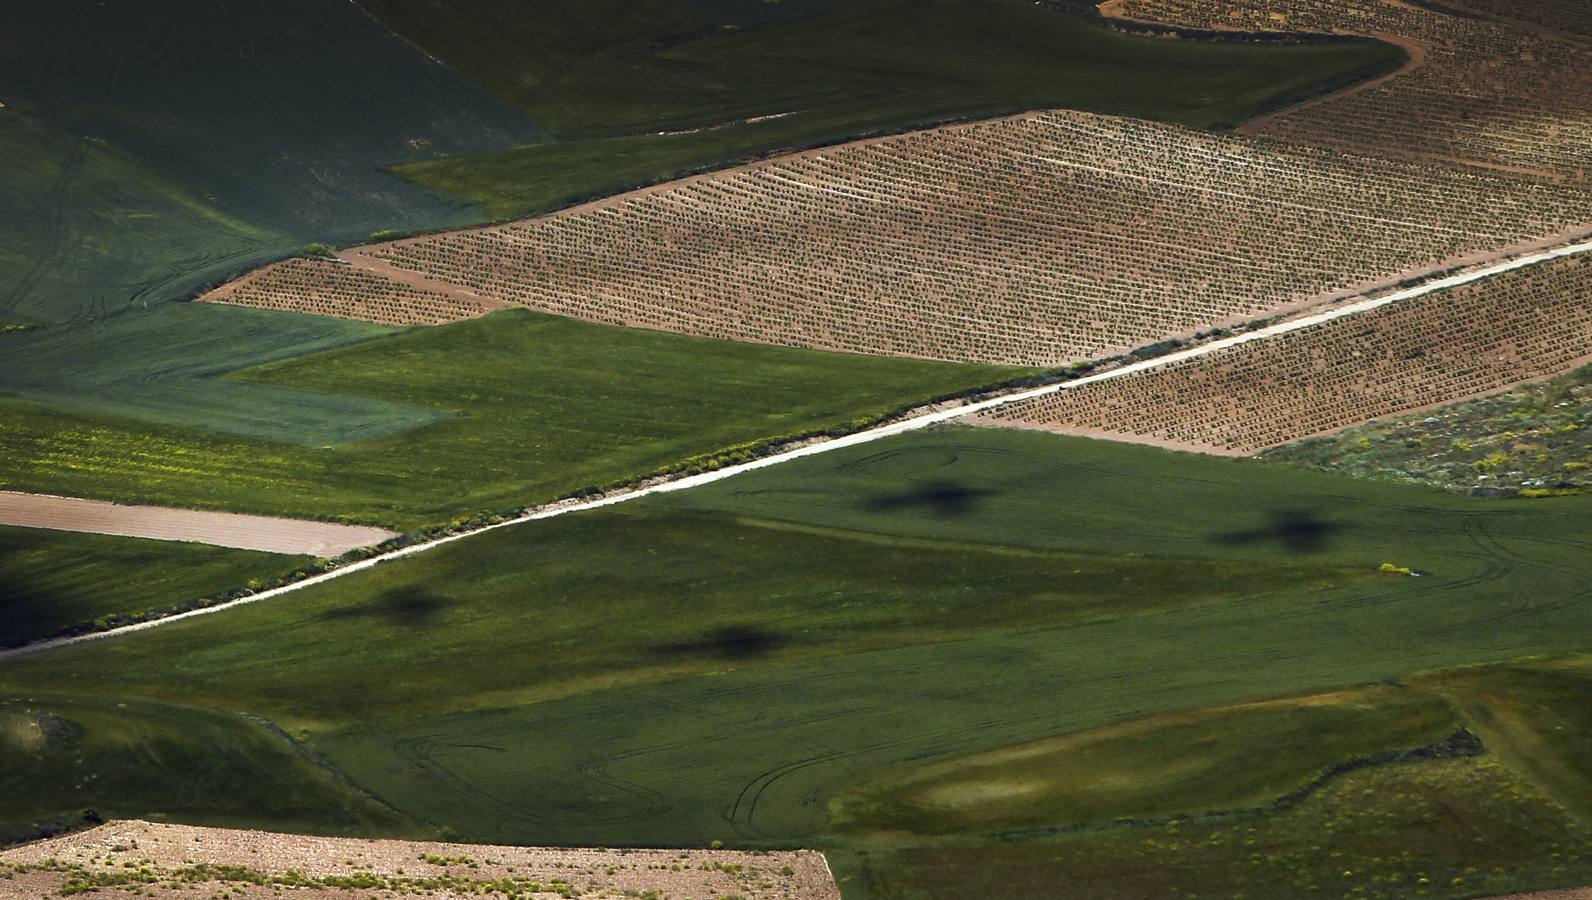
(890, 429)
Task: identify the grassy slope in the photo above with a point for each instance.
(607, 89)
(524, 408)
(722, 663)
(93, 232)
(1225, 759)
(1533, 438)
(1536, 717)
(1467, 827)
(55, 580)
(309, 97)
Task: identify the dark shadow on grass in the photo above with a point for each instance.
(946, 499)
(734, 642)
(1294, 530)
(408, 607)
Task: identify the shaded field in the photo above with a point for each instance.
(1532, 438)
(140, 134)
(1040, 239)
(50, 580)
(1491, 95)
(639, 93)
(91, 232)
(725, 663)
(419, 427)
(1415, 353)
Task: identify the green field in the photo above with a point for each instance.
(157, 148)
(161, 366)
(615, 81)
(407, 428)
(52, 581)
(94, 232)
(754, 660)
(1530, 440)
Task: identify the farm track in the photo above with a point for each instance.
(905, 425)
(220, 529)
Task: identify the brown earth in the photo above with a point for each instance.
(273, 535)
(182, 862)
(1039, 239)
(1468, 341)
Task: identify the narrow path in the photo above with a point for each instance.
(902, 426)
(163, 523)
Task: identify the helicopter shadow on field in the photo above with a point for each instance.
(407, 607)
(943, 499)
(1294, 530)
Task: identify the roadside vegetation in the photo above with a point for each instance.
(423, 426)
(639, 93)
(1531, 441)
(57, 580)
(867, 650)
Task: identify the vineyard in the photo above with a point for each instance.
(1484, 93)
(336, 289)
(1441, 347)
(1034, 240)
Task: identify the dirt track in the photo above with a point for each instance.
(163, 860)
(272, 535)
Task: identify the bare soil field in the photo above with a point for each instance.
(1506, 89)
(135, 858)
(1468, 341)
(1039, 239)
(245, 532)
(1567, 894)
(326, 288)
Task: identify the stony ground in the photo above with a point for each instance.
(1534, 439)
(134, 858)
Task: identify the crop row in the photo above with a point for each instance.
(336, 289)
(1478, 338)
(1487, 94)
(1036, 240)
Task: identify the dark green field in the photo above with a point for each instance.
(623, 85)
(154, 146)
(407, 428)
(55, 580)
(749, 661)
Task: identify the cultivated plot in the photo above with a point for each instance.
(1035, 240)
(1473, 339)
(1486, 94)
